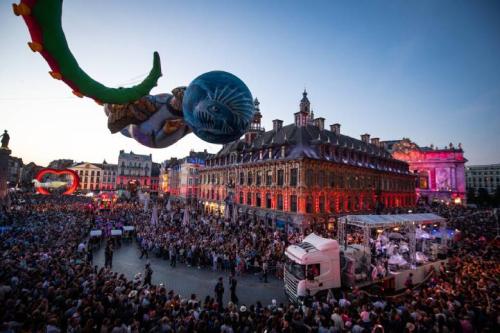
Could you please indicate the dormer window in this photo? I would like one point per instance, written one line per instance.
(282, 151)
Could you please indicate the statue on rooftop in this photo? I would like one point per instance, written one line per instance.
(5, 139)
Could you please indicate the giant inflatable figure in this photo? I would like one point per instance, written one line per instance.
(217, 106)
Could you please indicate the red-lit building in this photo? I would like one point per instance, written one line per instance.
(303, 173)
(134, 171)
(182, 175)
(155, 178)
(440, 171)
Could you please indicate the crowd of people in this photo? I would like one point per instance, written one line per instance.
(206, 241)
(49, 284)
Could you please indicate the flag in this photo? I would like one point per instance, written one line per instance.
(154, 215)
(235, 214)
(185, 218)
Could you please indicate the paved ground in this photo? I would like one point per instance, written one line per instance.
(187, 280)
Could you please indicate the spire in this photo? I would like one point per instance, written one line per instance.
(305, 105)
(256, 103)
(255, 126)
(257, 116)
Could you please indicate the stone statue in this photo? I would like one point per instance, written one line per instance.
(5, 139)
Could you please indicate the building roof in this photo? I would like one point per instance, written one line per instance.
(307, 142)
(385, 221)
(106, 166)
(406, 143)
(155, 169)
(131, 155)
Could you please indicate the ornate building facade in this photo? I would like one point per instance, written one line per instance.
(14, 171)
(303, 173)
(90, 176)
(134, 171)
(440, 171)
(108, 179)
(483, 176)
(183, 175)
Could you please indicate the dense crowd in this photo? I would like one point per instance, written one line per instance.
(203, 240)
(48, 284)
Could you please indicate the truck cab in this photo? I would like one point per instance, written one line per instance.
(312, 267)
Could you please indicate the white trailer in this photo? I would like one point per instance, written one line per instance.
(318, 265)
(313, 266)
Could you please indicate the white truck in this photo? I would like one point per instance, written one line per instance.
(317, 265)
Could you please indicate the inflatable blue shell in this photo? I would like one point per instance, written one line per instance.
(218, 107)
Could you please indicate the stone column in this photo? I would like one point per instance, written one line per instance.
(4, 173)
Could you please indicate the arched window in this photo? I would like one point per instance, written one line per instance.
(268, 200)
(332, 205)
(258, 200)
(309, 204)
(322, 204)
(241, 197)
(280, 202)
(258, 180)
(250, 178)
(293, 203)
(249, 198)
(423, 180)
(309, 177)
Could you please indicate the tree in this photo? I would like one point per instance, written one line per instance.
(496, 196)
(471, 195)
(483, 197)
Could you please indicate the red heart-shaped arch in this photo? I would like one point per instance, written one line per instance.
(47, 171)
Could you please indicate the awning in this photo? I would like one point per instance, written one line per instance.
(386, 221)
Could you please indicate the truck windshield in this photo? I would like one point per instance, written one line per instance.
(297, 270)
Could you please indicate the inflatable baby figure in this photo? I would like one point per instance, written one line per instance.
(216, 106)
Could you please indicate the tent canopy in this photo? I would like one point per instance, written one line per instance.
(387, 221)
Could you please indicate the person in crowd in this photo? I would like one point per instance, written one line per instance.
(232, 287)
(219, 292)
(148, 274)
(265, 268)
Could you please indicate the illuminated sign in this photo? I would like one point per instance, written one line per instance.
(47, 180)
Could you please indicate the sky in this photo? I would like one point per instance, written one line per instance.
(427, 70)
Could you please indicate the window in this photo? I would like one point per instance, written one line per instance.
(280, 202)
(321, 177)
(269, 178)
(249, 199)
(268, 200)
(282, 151)
(332, 205)
(241, 197)
(331, 180)
(293, 203)
(293, 177)
(242, 178)
(258, 180)
(250, 178)
(321, 204)
(258, 200)
(309, 177)
(312, 271)
(281, 177)
(309, 204)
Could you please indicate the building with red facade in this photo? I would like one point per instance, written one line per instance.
(303, 173)
(134, 172)
(180, 177)
(440, 171)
